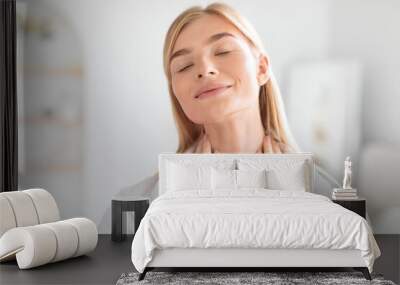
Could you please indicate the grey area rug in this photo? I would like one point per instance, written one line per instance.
(225, 278)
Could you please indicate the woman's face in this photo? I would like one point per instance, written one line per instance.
(214, 71)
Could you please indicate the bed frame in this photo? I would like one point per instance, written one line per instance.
(239, 260)
(250, 259)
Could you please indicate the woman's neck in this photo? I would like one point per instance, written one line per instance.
(241, 132)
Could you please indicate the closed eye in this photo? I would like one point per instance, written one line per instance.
(223, 52)
(186, 67)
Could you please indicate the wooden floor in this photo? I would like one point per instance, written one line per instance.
(110, 260)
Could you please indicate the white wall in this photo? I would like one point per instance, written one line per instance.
(369, 30)
(123, 76)
(127, 110)
(51, 101)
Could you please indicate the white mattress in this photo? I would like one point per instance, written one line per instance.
(251, 218)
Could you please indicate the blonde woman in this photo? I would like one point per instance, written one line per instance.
(224, 96)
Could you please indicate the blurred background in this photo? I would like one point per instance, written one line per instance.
(94, 110)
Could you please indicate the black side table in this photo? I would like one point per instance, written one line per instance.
(120, 204)
(358, 206)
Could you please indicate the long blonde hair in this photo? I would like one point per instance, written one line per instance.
(271, 106)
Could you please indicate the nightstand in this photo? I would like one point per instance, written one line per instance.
(120, 204)
(358, 206)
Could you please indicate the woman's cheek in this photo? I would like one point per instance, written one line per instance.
(193, 112)
(246, 72)
(183, 95)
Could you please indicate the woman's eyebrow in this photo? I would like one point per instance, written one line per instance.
(218, 36)
(211, 39)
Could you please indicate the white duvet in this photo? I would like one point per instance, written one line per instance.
(250, 218)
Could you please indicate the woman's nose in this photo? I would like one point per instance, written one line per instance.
(205, 69)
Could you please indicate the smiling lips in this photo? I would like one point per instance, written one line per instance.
(209, 91)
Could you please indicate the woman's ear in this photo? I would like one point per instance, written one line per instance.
(263, 73)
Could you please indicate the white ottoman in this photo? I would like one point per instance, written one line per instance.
(31, 232)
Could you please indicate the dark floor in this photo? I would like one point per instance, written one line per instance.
(110, 260)
(102, 266)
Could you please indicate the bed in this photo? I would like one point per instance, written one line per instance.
(245, 211)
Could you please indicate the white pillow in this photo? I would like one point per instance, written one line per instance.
(287, 179)
(237, 179)
(282, 174)
(223, 179)
(187, 177)
(252, 178)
